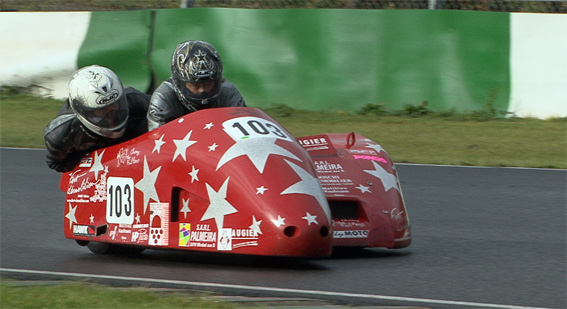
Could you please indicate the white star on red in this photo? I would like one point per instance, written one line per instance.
(261, 190)
(194, 174)
(279, 222)
(97, 165)
(219, 206)
(257, 149)
(213, 147)
(158, 143)
(148, 184)
(256, 225)
(71, 215)
(376, 147)
(310, 218)
(388, 180)
(308, 185)
(363, 189)
(182, 145)
(185, 208)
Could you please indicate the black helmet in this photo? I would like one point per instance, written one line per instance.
(96, 95)
(196, 62)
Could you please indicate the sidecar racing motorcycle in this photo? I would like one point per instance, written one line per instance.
(235, 180)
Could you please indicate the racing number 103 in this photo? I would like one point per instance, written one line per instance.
(120, 200)
(259, 128)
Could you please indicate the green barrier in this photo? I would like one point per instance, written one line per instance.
(321, 58)
(120, 40)
(345, 59)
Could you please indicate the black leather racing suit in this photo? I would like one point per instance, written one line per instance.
(67, 140)
(165, 106)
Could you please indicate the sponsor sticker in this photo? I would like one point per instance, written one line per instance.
(184, 234)
(159, 224)
(350, 234)
(86, 162)
(84, 230)
(225, 240)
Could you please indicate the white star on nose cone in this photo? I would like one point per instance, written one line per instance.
(256, 225)
(148, 184)
(182, 145)
(257, 149)
(219, 206)
(279, 221)
(388, 180)
(97, 165)
(71, 215)
(308, 185)
(310, 218)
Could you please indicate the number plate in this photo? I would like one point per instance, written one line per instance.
(253, 127)
(120, 200)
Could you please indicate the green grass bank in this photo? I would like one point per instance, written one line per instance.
(414, 135)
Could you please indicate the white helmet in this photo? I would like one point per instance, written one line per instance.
(97, 97)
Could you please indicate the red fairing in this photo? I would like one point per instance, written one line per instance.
(218, 180)
(362, 186)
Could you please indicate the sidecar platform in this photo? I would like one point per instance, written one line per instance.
(363, 190)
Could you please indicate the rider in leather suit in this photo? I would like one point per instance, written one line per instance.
(99, 112)
(196, 83)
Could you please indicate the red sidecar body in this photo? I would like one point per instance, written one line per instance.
(235, 180)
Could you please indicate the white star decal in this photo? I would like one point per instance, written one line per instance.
(388, 180)
(308, 185)
(257, 149)
(219, 206)
(310, 218)
(279, 222)
(182, 145)
(71, 215)
(261, 190)
(138, 218)
(148, 184)
(194, 174)
(213, 147)
(376, 147)
(91, 218)
(363, 189)
(97, 165)
(185, 208)
(208, 126)
(256, 225)
(158, 143)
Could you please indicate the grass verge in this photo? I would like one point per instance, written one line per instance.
(74, 294)
(428, 138)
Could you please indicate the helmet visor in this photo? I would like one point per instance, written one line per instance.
(111, 116)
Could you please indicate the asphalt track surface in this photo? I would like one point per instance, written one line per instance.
(482, 238)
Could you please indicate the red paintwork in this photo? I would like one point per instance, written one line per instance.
(366, 212)
(228, 180)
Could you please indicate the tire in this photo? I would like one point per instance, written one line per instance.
(99, 247)
(106, 248)
(127, 250)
